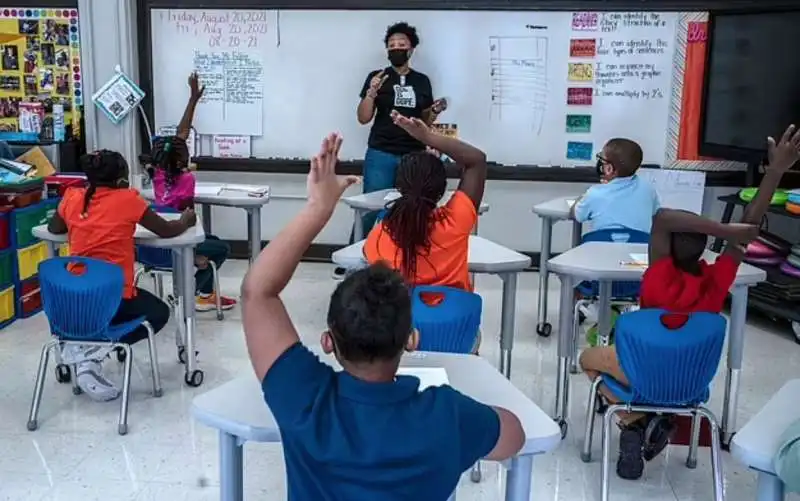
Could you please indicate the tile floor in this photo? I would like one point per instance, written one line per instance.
(76, 455)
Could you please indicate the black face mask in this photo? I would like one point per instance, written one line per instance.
(398, 57)
(599, 167)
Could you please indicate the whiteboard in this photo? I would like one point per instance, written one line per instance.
(508, 77)
(677, 189)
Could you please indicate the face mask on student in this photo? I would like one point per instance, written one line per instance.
(398, 57)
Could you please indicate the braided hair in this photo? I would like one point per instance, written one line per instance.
(421, 181)
(103, 168)
(170, 154)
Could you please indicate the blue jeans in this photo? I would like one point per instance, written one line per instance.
(380, 169)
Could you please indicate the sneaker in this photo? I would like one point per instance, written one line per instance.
(657, 434)
(73, 354)
(339, 273)
(630, 464)
(94, 384)
(208, 302)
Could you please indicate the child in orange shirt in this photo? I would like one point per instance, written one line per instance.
(100, 222)
(429, 244)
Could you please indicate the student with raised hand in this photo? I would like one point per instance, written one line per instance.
(100, 222)
(680, 281)
(363, 432)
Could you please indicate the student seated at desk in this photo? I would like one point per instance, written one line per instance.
(623, 199)
(679, 280)
(363, 433)
(426, 243)
(100, 222)
(173, 186)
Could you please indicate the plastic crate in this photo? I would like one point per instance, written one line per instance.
(5, 227)
(57, 184)
(8, 311)
(63, 250)
(6, 267)
(25, 220)
(22, 194)
(29, 297)
(28, 260)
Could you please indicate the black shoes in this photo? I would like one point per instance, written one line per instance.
(642, 441)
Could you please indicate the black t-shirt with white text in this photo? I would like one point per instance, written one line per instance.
(410, 95)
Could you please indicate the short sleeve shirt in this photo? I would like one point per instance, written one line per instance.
(447, 262)
(179, 194)
(107, 230)
(628, 202)
(344, 438)
(666, 287)
(410, 95)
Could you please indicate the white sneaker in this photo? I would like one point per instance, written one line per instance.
(590, 311)
(94, 384)
(77, 353)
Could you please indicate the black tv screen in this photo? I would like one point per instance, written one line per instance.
(752, 87)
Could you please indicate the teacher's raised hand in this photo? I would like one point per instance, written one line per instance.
(376, 83)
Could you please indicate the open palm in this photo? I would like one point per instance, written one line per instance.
(323, 185)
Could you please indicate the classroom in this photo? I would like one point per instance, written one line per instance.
(500, 250)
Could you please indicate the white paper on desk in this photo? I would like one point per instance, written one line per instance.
(640, 259)
(391, 196)
(428, 376)
(570, 203)
(231, 147)
(250, 189)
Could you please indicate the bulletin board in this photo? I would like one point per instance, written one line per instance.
(39, 62)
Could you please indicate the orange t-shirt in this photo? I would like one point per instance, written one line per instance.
(107, 231)
(446, 264)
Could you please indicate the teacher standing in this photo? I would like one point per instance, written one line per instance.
(396, 87)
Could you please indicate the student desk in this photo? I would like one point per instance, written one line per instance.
(550, 213)
(182, 248)
(207, 194)
(238, 411)
(485, 256)
(371, 202)
(756, 444)
(609, 262)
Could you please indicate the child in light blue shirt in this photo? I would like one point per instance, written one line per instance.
(623, 200)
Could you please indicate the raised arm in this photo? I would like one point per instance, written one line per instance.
(366, 107)
(196, 92)
(267, 327)
(473, 160)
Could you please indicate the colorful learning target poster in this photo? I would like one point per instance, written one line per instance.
(39, 63)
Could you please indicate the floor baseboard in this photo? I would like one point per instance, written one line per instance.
(321, 253)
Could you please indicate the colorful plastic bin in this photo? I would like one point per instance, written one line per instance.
(28, 260)
(29, 297)
(5, 227)
(25, 220)
(6, 268)
(8, 312)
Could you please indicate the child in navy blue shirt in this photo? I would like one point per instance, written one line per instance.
(363, 433)
(623, 199)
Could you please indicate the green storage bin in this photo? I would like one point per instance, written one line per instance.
(6, 268)
(30, 217)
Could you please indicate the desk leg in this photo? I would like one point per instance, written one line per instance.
(519, 479)
(205, 216)
(543, 328)
(769, 487)
(176, 303)
(231, 468)
(254, 232)
(194, 377)
(604, 312)
(358, 225)
(735, 353)
(507, 321)
(577, 233)
(565, 313)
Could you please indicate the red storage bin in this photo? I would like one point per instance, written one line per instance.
(5, 233)
(57, 184)
(29, 297)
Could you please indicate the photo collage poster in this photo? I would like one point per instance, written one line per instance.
(39, 63)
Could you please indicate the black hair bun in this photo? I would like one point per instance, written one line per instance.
(384, 284)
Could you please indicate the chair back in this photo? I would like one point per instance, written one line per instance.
(80, 296)
(669, 366)
(450, 319)
(152, 257)
(619, 290)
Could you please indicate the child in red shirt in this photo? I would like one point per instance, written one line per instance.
(679, 280)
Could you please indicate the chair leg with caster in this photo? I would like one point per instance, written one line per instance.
(122, 428)
(586, 453)
(38, 388)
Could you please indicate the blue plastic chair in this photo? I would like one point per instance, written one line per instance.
(669, 372)
(80, 297)
(157, 262)
(452, 325)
